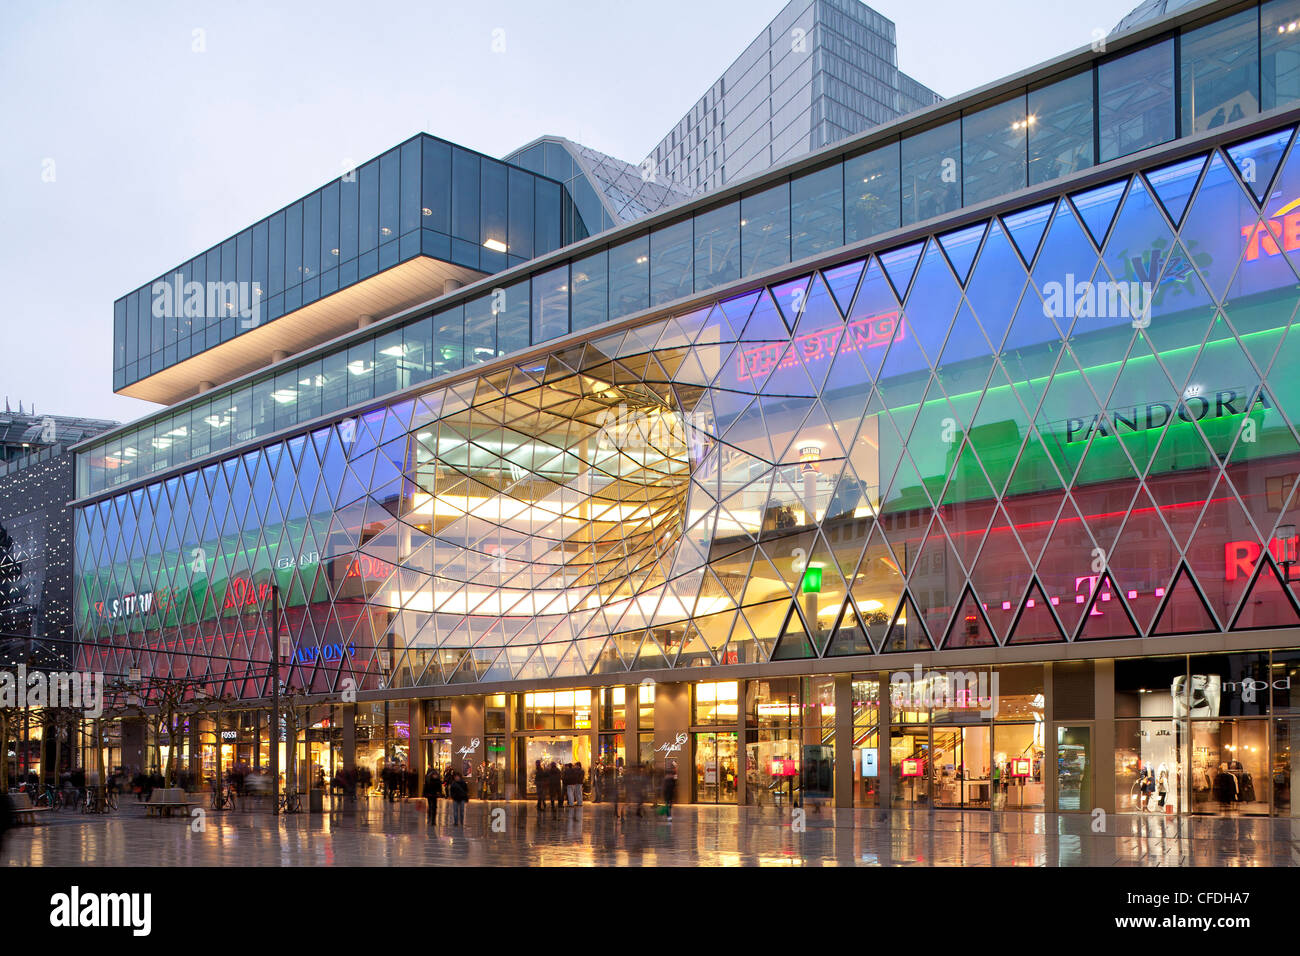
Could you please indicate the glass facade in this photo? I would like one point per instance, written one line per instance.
(1123, 103)
(1064, 423)
(1068, 422)
(426, 197)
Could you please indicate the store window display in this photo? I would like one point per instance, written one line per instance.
(566, 715)
(1150, 746)
(1018, 754)
(1148, 766)
(1227, 694)
(370, 730)
(1229, 767)
(773, 717)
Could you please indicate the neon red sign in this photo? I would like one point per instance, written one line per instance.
(1240, 557)
(242, 592)
(1281, 232)
(869, 333)
(364, 566)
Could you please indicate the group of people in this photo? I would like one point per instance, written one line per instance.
(563, 786)
(398, 781)
(453, 786)
(346, 781)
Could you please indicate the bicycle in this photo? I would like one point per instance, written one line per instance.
(289, 802)
(97, 802)
(223, 799)
(51, 798)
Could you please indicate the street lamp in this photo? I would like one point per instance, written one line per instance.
(1286, 533)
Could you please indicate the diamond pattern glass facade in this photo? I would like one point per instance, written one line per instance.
(1069, 422)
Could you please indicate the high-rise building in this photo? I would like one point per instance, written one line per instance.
(820, 72)
(955, 464)
(36, 484)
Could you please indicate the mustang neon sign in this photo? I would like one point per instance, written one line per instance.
(869, 333)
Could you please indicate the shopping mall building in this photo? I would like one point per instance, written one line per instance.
(950, 465)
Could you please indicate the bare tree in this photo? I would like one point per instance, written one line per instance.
(165, 703)
(293, 713)
(11, 718)
(58, 720)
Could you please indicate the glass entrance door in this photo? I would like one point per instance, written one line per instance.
(715, 767)
(960, 768)
(437, 753)
(909, 761)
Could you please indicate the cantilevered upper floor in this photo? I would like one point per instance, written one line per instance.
(424, 217)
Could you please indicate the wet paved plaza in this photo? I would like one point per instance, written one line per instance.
(386, 834)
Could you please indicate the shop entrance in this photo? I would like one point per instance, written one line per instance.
(960, 770)
(909, 753)
(558, 749)
(715, 767)
(437, 753)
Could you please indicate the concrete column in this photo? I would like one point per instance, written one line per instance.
(418, 721)
(629, 726)
(1103, 734)
(593, 732)
(742, 752)
(884, 759)
(673, 729)
(349, 721)
(515, 785)
(467, 735)
(1050, 782)
(843, 741)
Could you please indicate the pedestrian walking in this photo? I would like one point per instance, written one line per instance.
(556, 779)
(541, 784)
(432, 791)
(670, 788)
(459, 793)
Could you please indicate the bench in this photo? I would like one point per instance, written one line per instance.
(23, 811)
(161, 803)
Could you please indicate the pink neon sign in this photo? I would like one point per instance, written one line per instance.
(869, 333)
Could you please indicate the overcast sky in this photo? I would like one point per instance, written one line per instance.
(125, 151)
